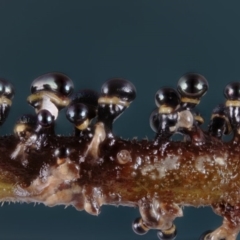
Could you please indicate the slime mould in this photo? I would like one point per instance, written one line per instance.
(94, 167)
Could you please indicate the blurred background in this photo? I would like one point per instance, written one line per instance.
(150, 42)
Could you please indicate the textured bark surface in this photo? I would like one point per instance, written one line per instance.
(124, 173)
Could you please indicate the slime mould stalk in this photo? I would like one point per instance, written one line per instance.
(94, 167)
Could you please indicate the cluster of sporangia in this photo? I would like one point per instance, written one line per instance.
(174, 113)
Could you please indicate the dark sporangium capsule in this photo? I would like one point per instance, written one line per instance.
(139, 227)
(51, 91)
(116, 95)
(164, 118)
(82, 109)
(167, 99)
(120, 88)
(163, 123)
(192, 87)
(80, 115)
(55, 82)
(232, 91)
(61, 152)
(45, 118)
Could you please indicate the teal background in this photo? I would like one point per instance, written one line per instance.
(150, 42)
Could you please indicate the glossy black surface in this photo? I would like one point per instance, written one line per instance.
(137, 228)
(55, 81)
(77, 113)
(218, 124)
(192, 85)
(61, 152)
(232, 91)
(160, 123)
(108, 113)
(6, 89)
(217, 127)
(45, 118)
(168, 97)
(120, 88)
(234, 117)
